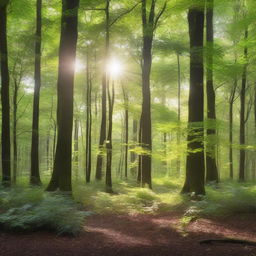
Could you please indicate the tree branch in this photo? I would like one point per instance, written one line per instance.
(123, 14)
(158, 16)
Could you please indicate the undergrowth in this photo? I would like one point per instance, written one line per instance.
(129, 198)
(228, 198)
(32, 209)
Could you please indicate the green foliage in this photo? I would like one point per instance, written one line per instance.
(227, 199)
(129, 199)
(32, 209)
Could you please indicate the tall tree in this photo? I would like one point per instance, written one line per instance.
(242, 112)
(88, 149)
(61, 177)
(195, 157)
(5, 81)
(103, 127)
(211, 166)
(109, 146)
(149, 24)
(231, 121)
(126, 127)
(35, 175)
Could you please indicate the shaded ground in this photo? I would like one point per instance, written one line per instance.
(136, 236)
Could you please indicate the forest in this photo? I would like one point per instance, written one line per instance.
(128, 127)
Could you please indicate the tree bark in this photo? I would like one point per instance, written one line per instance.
(76, 148)
(195, 159)
(5, 80)
(14, 134)
(231, 105)
(135, 138)
(211, 167)
(61, 177)
(88, 122)
(109, 146)
(99, 162)
(242, 115)
(179, 111)
(146, 140)
(35, 175)
(126, 121)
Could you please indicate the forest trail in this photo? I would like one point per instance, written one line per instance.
(138, 235)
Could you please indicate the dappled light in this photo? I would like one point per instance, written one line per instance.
(128, 127)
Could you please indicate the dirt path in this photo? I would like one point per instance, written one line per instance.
(137, 236)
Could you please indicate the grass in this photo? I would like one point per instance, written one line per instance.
(129, 198)
(23, 208)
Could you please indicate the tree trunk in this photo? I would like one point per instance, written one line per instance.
(179, 112)
(195, 159)
(242, 115)
(211, 167)
(61, 177)
(6, 140)
(88, 123)
(14, 134)
(135, 138)
(35, 175)
(76, 148)
(99, 162)
(231, 105)
(146, 139)
(126, 121)
(109, 146)
(139, 178)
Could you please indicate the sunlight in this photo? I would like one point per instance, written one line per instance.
(114, 68)
(79, 66)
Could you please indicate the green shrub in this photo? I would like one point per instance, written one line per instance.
(228, 199)
(53, 212)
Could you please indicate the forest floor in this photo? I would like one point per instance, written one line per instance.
(152, 235)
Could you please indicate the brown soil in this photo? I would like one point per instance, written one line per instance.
(110, 235)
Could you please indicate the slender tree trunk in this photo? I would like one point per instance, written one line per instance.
(179, 111)
(76, 148)
(126, 121)
(242, 115)
(99, 162)
(14, 135)
(88, 123)
(139, 178)
(165, 162)
(111, 100)
(48, 151)
(35, 175)
(211, 167)
(195, 159)
(121, 160)
(61, 177)
(135, 138)
(231, 105)
(6, 140)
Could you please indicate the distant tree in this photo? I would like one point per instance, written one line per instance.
(242, 112)
(109, 146)
(35, 175)
(61, 177)
(5, 80)
(195, 157)
(88, 150)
